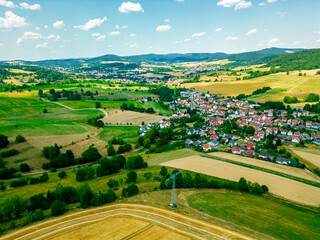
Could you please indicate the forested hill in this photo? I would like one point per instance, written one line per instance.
(246, 57)
(302, 60)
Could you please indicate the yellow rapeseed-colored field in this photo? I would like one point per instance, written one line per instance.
(280, 186)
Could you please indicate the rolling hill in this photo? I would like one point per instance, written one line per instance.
(161, 58)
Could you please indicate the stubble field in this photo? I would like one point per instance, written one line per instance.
(280, 186)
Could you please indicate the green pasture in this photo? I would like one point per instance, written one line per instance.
(279, 220)
(126, 133)
(47, 124)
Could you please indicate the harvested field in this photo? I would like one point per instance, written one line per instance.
(125, 221)
(269, 165)
(309, 157)
(136, 118)
(280, 186)
(79, 147)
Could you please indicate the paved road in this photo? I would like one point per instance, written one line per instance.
(72, 109)
(75, 166)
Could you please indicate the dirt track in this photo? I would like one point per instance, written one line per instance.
(174, 224)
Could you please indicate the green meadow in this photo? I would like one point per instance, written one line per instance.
(47, 124)
(276, 219)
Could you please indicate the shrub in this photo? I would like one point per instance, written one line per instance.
(62, 174)
(19, 183)
(131, 190)
(84, 173)
(91, 155)
(24, 167)
(20, 139)
(10, 153)
(131, 177)
(111, 150)
(3, 141)
(107, 167)
(37, 215)
(58, 208)
(136, 162)
(163, 171)
(112, 183)
(45, 110)
(86, 196)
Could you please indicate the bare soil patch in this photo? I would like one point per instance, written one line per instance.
(280, 186)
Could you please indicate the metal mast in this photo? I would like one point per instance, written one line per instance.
(173, 193)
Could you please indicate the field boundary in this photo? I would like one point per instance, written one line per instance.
(81, 109)
(196, 229)
(298, 179)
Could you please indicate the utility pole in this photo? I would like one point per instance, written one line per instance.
(173, 203)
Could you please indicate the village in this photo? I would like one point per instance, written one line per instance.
(240, 127)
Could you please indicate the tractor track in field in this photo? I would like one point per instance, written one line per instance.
(165, 218)
(80, 109)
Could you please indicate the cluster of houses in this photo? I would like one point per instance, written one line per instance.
(268, 122)
(163, 123)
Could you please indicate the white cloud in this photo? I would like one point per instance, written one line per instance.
(200, 34)
(55, 37)
(262, 4)
(11, 21)
(28, 35)
(1, 44)
(179, 0)
(8, 4)
(117, 26)
(218, 29)
(51, 36)
(272, 1)
(101, 37)
(92, 24)
(133, 45)
(273, 40)
(124, 27)
(163, 28)
(252, 31)
(95, 34)
(167, 20)
(231, 38)
(129, 7)
(318, 41)
(132, 35)
(45, 26)
(114, 33)
(237, 4)
(30, 7)
(58, 24)
(42, 45)
(187, 40)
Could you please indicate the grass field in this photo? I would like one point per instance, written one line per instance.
(280, 186)
(48, 124)
(126, 133)
(260, 214)
(24, 103)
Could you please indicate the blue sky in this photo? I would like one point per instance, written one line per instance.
(50, 29)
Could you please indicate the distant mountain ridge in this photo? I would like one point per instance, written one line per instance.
(163, 58)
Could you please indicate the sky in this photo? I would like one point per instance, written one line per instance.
(53, 29)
